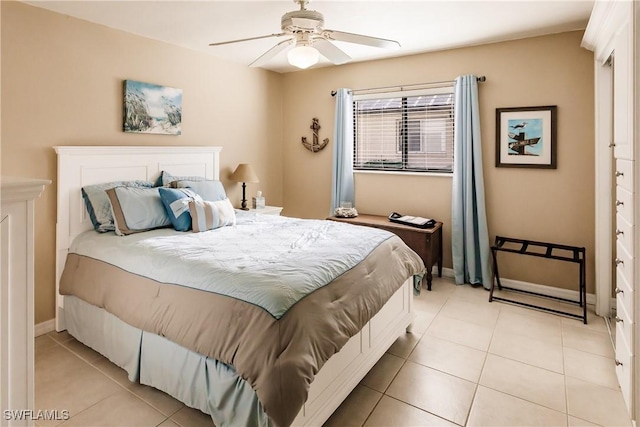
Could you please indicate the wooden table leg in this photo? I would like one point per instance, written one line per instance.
(440, 253)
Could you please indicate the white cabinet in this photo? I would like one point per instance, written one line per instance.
(612, 33)
(625, 201)
(622, 95)
(16, 295)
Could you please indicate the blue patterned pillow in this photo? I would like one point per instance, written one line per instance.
(137, 209)
(166, 178)
(171, 195)
(98, 205)
(211, 190)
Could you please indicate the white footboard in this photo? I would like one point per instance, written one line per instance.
(340, 375)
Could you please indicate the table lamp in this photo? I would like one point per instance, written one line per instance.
(244, 173)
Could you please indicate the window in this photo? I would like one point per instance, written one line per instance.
(408, 131)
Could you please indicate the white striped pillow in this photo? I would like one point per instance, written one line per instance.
(210, 215)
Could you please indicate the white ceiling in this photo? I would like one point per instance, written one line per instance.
(419, 26)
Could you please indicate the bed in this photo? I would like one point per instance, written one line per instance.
(297, 357)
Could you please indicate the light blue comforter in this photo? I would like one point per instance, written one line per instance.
(266, 260)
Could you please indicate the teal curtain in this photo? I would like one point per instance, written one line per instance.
(469, 234)
(342, 180)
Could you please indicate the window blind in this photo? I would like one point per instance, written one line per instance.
(404, 131)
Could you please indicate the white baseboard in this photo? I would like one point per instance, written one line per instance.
(447, 272)
(45, 327)
(535, 287)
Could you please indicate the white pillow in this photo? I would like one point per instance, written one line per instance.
(137, 209)
(211, 215)
(98, 204)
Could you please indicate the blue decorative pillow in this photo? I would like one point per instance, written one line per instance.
(166, 178)
(137, 209)
(178, 213)
(98, 205)
(211, 191)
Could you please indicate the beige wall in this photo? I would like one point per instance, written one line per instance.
(547, 205)
(62, 85)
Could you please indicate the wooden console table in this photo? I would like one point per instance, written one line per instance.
(426, 242)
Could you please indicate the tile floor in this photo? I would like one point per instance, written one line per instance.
(467, 362)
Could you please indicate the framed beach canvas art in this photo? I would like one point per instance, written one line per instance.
(526, 137)
(151, 108)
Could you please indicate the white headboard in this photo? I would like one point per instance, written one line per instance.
(83, 165)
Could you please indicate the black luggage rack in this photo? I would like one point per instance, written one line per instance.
(577, 256)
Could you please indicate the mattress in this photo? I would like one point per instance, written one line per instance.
(272, 297)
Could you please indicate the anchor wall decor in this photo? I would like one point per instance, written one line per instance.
(315, 146)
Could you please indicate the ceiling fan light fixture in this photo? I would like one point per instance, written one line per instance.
(305, 31)
(303, 56)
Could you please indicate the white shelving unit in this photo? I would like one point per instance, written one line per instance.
(17, 295)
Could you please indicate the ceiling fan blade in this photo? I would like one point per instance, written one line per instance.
(331, 51)
(248, 39)
(359, 39)
(271, 53)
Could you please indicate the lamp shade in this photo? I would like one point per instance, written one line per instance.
(303, 56)
(244, 173)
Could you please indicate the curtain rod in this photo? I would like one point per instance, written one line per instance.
(480, 79)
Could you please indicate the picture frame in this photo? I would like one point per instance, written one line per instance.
(526, 137)
(151, 108)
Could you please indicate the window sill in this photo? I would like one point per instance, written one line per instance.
(429, 174)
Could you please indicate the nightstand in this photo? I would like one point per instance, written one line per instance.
(268, 210)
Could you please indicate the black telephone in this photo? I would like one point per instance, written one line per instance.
(413, 221)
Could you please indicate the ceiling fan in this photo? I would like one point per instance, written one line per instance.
(309, 39)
